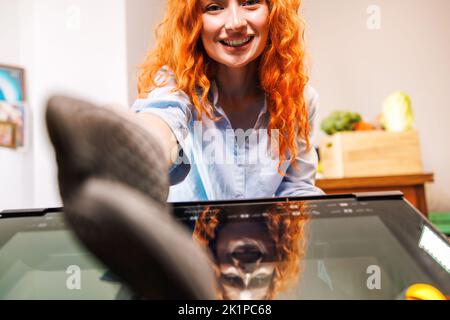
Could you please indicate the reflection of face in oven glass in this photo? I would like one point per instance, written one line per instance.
(246, 259)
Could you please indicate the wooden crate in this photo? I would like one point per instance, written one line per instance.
(370, 153)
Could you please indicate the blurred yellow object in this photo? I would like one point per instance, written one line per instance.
(397, 113)
(422, 291)
(319, 167)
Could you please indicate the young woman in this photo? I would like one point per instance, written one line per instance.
(225, 109)
(226, 93)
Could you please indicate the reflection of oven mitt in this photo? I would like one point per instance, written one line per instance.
(91, 141)
(140, 242)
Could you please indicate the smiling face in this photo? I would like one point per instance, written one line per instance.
(235, 32)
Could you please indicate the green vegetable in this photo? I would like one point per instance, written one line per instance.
(340, 121)
(397, 113)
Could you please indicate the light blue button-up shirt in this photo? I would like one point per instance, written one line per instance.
(219, 163)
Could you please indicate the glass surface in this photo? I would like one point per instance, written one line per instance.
(315, 249)
(321, 249)
(37, 256)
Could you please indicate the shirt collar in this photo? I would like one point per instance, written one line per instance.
(215, 90)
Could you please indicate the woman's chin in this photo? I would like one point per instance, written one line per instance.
(236, 63)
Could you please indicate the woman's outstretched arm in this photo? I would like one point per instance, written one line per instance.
(163, 134)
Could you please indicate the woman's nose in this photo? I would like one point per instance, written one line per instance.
(235, 19)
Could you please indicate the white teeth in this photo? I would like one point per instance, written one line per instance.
(237, 43)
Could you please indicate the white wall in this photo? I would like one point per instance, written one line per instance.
(142, 17)
(86, 59)
(84, 48)
(16, 168)
(356, 68)
(72, 46)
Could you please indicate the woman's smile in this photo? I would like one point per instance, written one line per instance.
(235, 32)
(237, 43)
(237, 46)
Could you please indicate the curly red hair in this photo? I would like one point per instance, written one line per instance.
(282, 70)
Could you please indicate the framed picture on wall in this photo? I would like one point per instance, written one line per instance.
(7, 134)
(12, 106)
(12, 84)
